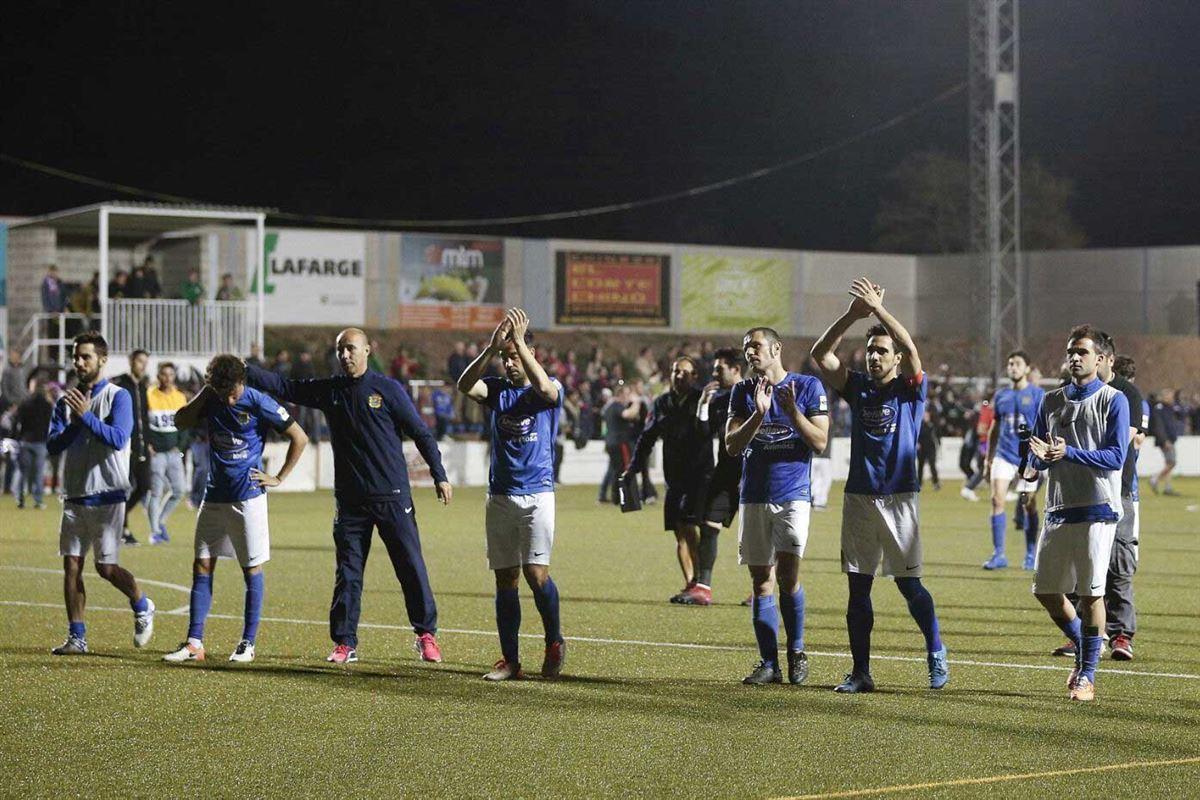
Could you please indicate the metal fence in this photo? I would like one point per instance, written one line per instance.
(183, 328)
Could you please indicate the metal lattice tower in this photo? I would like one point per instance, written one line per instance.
(996, 169)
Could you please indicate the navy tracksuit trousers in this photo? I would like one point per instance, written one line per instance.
(353, 527)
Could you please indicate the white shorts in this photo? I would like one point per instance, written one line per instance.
(1073, 557)
(95, 527)
(765, 529)
(881, 532)
(1003, 470)
(234, 530)
(520, 529)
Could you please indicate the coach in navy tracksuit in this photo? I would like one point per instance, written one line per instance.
(369, 415)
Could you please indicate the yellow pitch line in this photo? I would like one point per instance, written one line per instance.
(912, 787)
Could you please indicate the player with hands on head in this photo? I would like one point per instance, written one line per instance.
(232, 521)
(880, 529)
(777, 420)
(519, 516)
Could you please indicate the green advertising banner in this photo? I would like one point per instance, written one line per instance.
(724, 292)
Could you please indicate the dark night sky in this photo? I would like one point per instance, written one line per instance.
(487, 109)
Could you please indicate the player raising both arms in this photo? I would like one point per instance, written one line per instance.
(777, 420)
(233, 516)
(1014, 406)
(1080, 439)
(880, 527)
(519, 518)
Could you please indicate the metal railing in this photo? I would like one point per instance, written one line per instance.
(48, 337)
(181, 328)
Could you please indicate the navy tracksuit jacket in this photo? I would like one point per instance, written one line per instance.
(368, 419)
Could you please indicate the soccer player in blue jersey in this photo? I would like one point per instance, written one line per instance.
(233, 516)
(880, 528)
(1014, 406)
(777, 420)
(519, 519)
(1080, 439)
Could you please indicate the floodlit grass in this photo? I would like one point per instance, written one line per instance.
(631, 718)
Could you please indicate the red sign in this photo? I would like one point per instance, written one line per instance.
(448, 316)
(629, 289)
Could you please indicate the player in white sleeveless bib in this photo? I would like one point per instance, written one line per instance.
(1080, 439)
(90, 426)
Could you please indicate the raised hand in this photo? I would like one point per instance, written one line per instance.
(518, 322)
(500, 334)
(787, 397)
(763, 392)
(1048, 451)
(867, 295)
(76, 401)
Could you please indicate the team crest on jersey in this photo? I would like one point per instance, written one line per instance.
(877, 416)
(773, 432)
(514, 426)
(243, 418)
(375, 401)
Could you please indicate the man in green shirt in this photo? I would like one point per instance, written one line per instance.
(191, 289)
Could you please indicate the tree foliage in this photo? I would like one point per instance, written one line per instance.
(925, 208)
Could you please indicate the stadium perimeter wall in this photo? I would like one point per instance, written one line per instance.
(380, 280)
(466, 463)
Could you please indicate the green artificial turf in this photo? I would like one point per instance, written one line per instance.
(633, 716)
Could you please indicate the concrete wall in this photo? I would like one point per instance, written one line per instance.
(1127, 291)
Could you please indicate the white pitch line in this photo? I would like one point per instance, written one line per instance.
(164, 584)
(634, 642)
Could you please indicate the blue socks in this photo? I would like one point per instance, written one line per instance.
(508, 623)
(546, 599)
(1091, 656)
(766, 628)
(141, 605)
(860, 619)
(77, 629)
(792, 608)
(998, 531)
(920, 605)
(255, 588)
(1074, 631)
(201, 602)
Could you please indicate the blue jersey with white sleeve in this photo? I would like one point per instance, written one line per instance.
(235, 436)
(523, 429)
(775, 464)
(1014, 406)
(885, 424)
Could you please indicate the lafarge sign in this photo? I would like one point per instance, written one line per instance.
(314, 277)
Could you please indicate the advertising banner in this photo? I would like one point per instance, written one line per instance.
(626, 289)
(450, 282)
(313, 277)
(731, 293)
